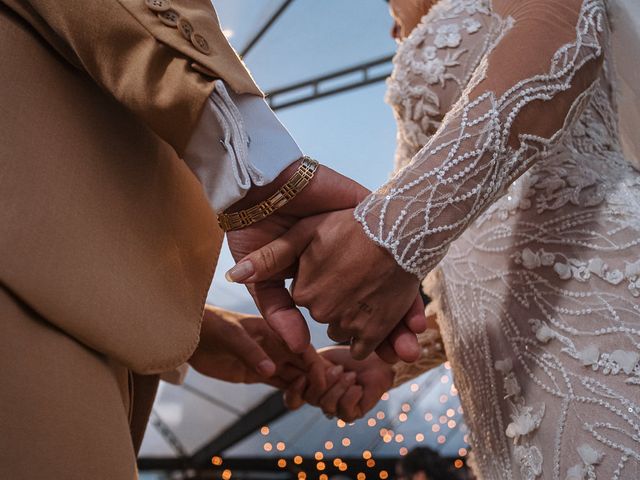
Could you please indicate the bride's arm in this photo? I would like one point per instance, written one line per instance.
(522, 96)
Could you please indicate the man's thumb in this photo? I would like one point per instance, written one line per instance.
(271, 259)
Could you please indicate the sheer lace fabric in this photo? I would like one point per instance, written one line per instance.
(510, 165)
(474, 155)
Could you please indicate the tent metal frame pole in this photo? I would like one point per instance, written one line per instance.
(267, 411)
(312, 89)
(265, 28)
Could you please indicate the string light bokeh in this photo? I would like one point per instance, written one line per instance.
(423, 412)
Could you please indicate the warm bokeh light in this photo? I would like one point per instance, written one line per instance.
(282, 463)
(419, 437)
(216, 460)
(414, 387)
(403, 417)
(321, 466)
(458, 463)
(462, 452)
(441, 439)
(403, 451)
(435, 428)
(280, 446)
(323, 476)
(318, 456)
(428, 416)
(366, 454)
(264, 430)
(328, 445)
(226, 474)
(346, 442)
(337, 462)
(451, 424)
(384, 474)
(380, 415)
(443, 399)
(447, 365)
(385, 396)
(341, 423)
(399, 438)
(343, 467)
(371, 463)
(444, 379)
(302, 475)
(361, 476)
(371, 422)
(297, 459)
(267, 447)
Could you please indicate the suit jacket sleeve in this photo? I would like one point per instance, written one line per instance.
(159, 64)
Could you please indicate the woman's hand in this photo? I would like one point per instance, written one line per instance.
(353, 387)
(347, 281)
(244, 349)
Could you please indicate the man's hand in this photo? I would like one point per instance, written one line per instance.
(343, 398)
(327, 191)
(244, 349)
(346, 281)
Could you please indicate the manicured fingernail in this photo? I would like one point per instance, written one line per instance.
(240, 272)
(266, 368)
(336, 371)
(350, 377)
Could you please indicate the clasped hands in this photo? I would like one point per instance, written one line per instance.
(344, 279)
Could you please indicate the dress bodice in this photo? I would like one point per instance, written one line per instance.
(536, 243)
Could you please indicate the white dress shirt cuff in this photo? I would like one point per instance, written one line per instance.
(238, 143)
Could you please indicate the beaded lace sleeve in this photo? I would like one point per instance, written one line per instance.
(523, 96)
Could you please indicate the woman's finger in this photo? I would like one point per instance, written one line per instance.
(293, 395)
(329, 400)
(348, 407)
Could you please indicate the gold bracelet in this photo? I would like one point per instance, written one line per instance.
(297, 183)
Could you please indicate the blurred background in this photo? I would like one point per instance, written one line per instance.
(323, 64)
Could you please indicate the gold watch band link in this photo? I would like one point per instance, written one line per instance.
(297, 183)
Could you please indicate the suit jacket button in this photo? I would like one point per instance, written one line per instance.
(200, 43)
(169, 18)
(158, 5)
(185, 27)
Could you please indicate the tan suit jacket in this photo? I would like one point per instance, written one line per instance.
(106, 236)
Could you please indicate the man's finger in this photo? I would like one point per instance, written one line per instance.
(386, 352)
(251, 354)
(278, 309)
(415, 319)
(405, 343)
(274, 257)
(337, 334)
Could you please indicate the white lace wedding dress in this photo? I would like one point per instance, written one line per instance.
(511, 180)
